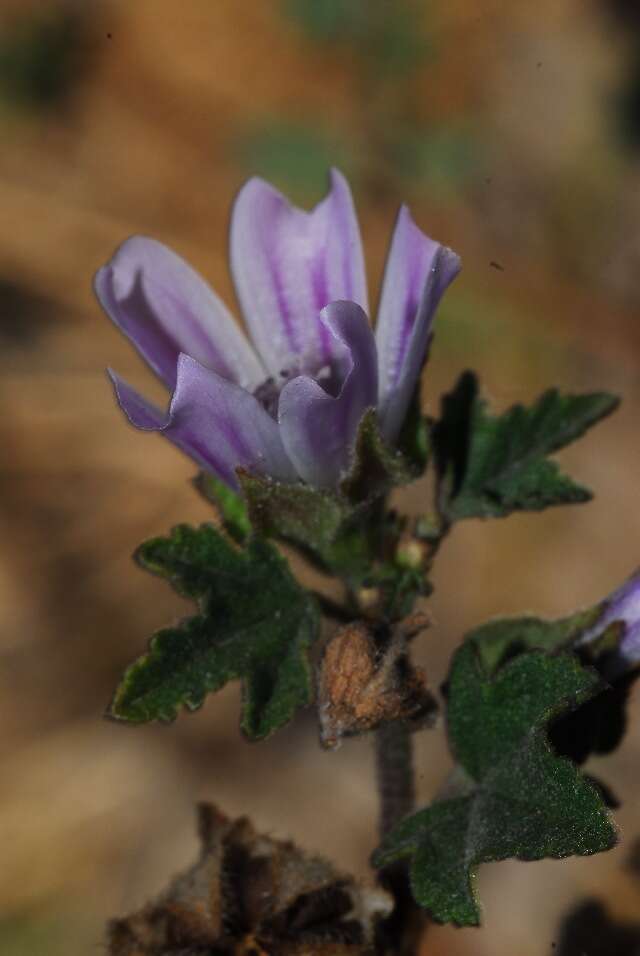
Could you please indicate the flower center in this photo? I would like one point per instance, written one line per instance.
(268, 393)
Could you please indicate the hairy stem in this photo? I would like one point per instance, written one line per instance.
(396, 789)
(395, 774)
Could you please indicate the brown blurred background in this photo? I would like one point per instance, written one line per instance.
(514, 134)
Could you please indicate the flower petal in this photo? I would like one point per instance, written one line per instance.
(215, 422)
(288, 265)
(318, 429)
(166, 308)
(630, 648)
(417, 273)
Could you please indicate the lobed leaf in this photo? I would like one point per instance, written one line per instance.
(490, 466)
(512, 796)
(598, 725)
(255, 624)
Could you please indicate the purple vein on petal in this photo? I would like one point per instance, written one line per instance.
(417, 268)
(288, 264)
(411, 257)
(232, 420)
(164, 307)
(283, 304)
(202, 343)
(146, 416)
(216, 422)
(234, 438)
(417, 272)
(318, 267)
(205, 456)
(154, 341)
(319, 429)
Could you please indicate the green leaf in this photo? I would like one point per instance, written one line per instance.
(490, 466)
(512, 797)
(229, 505)
(598, 725)
(255, 623)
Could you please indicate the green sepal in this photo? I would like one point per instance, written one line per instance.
(512, 795)
(377, 468)
(504, 638)
(255, 624)
(414, 440)
(339, 531)
(322, 526)
(489, 466)
(229, 505)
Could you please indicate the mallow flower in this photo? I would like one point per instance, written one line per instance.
(285, 403)
(621, 608)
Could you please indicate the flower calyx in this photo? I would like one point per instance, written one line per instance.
(366, 679)
(250, 894)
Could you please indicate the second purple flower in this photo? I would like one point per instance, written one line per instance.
(288, 404)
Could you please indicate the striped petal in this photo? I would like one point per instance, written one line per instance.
(318, 429)
(288, 265)
(166, 308)
(215, 422)
(417, 273)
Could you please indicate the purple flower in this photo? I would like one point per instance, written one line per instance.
(288, 404)
(622, 608)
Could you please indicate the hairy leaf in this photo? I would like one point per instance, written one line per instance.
(512, 796)
(596, 726)
(490, 466)
(255, 623)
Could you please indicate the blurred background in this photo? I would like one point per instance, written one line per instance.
(514, 134)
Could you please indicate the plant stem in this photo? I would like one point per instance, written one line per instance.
(396, 790)
(395, 774)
